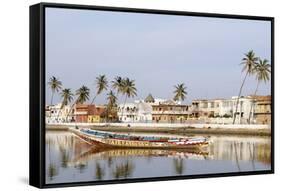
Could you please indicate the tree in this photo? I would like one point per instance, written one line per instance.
(112, 99)
(262, 73)
(67, 97)
(117, 84)
(55, 86)
(112, 102)
(180, 92)
(248, 63)
(82, 96)
(129, 90)
(102, 84)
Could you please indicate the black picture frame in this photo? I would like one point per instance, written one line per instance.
(37, 94)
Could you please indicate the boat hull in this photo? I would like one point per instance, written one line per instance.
(120, 143)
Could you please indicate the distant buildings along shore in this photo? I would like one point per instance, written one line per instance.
(251, 109)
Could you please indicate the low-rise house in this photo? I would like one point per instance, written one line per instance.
(57, 114)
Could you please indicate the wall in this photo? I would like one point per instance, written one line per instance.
(14, 88)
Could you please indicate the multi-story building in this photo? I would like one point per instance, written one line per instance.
(138, 111)
(262, 109)
(84, 113)
(223, 108)
(170, 112)
(96, 114)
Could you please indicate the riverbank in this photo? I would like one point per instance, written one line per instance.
(254, 129)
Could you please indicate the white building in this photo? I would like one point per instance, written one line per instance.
(138, 111)
(222, 110)
(56, 114)
(243, 109)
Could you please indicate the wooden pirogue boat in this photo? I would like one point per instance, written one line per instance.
(109, 139)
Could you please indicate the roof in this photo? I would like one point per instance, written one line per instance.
(149, 99)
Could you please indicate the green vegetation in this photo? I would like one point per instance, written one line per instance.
(55, 86)
(102, 84)
(248, 63)
(262, 73)
(180, 92)
(253, 65)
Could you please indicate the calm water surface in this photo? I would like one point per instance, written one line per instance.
(69, 159)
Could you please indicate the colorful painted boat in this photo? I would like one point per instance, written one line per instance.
(109, 139)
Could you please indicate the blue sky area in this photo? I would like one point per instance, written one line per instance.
(157, 51)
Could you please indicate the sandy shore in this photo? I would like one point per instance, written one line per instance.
(203, 129)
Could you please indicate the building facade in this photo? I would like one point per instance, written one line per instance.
(223, 110)
(57, 114)
(84, 113)
(138, 111)
(170, 112)
(262, 109)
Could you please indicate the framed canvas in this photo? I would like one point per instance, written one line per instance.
(122, 95)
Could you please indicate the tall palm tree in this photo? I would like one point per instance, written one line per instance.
(67, 97)
(249, 62)
(55, 85)
(102, 84)
(180, 92)
(262, 72)
(129, 90)
(117, 84)
(82, 96)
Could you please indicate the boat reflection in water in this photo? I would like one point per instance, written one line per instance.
(69, 159)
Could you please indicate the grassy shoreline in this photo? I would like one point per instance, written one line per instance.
(182, 130)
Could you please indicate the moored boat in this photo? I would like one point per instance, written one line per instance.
(110, 139)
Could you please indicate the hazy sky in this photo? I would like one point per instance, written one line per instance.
(157, 51)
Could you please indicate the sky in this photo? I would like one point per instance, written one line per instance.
(157, 51)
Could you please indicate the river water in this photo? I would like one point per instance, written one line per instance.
(69, 159)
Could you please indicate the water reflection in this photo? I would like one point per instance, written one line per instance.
(69, 159)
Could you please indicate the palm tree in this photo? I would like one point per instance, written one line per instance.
(67, 97)
(262, 72)
(249, 62)
(102, 84)
(129, 90)
(112, 99)
(117, 84)
(180, 92)
(82, 96)
(55, 86)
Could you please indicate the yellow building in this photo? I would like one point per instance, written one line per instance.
(94, 119)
